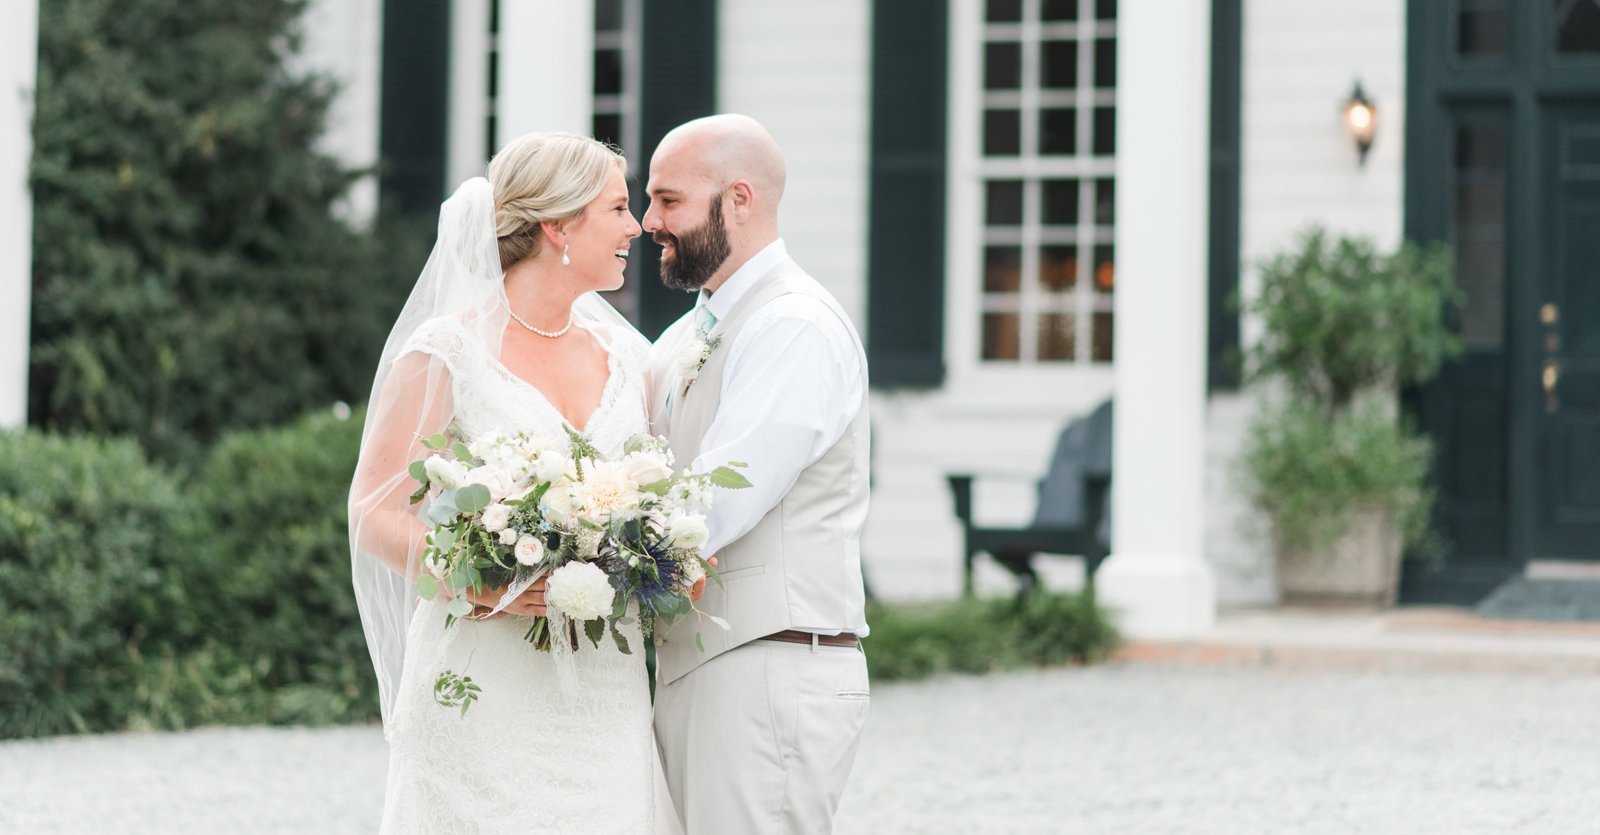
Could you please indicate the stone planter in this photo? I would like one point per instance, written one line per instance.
(1360, 568)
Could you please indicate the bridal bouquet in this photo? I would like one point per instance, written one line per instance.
(508, 510)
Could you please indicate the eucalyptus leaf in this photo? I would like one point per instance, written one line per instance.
(418, 471)
(719, 621)
(459, 606)
(473, 498)
(436, 441)
(729, 478)
(427, 586)
(700, 641)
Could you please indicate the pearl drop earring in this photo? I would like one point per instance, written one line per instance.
(565, 258)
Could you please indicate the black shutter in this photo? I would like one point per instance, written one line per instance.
(414, 105)
(1222, 349)
(905, 262)
(678, 82)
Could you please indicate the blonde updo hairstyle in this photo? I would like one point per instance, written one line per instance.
(544, 177)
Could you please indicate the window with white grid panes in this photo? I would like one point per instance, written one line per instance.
(1047, 163)
(616, 108)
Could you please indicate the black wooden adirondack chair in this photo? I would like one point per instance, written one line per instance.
(1074, 513)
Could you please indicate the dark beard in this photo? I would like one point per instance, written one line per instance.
(698, 254)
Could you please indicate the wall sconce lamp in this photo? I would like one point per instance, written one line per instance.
(1361, 119)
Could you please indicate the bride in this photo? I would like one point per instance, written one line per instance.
(504, 332)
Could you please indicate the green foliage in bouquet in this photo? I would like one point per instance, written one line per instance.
(191, 273)
(86, 526)
(912, 641)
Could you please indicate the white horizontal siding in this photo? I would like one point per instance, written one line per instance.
(344, 42)
(801, 69)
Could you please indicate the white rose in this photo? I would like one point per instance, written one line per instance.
(508, 536)
(580, 590)
(445, 473)
(688, 531)
(550, 466)
(560, 502)
(529, 550)
(496, 517)
(500, 484)
(647, 467)
(689, 358)
(484, 445)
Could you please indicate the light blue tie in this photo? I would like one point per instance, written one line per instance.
(704, 321)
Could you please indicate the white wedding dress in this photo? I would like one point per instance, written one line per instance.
(529, 756)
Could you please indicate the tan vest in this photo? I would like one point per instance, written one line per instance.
(800, 566)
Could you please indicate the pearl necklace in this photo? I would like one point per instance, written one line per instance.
(545, 334)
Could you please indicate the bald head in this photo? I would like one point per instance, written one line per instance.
(726, 148)
(714, 189)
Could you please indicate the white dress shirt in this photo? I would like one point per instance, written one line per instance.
(790, 388)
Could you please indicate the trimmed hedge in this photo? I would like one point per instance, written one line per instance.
(129, 600)
(88, 532)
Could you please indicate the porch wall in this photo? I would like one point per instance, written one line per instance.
(803, 71)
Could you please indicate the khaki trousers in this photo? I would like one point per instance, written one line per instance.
(760, 739)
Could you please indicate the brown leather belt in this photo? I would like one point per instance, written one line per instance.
(795, 636)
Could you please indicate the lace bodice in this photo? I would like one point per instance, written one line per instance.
(531, 755)
(488, 396)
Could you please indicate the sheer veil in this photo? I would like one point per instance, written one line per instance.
(461, 295)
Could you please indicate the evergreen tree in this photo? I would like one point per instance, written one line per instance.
(190, 273)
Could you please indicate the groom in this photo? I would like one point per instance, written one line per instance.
(759, 729)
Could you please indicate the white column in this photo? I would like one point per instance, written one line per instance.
(546, 67)
(1157, 579)
(467, 144)
(19, 49)
(344, 40)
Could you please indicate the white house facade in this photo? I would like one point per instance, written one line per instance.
(1030, 206)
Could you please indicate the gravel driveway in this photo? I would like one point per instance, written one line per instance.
(1111, 749)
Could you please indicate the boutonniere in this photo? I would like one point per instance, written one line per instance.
(693, 358)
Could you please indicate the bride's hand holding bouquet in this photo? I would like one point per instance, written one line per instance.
(513, 512)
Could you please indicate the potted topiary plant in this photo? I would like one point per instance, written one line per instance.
(1340, 475)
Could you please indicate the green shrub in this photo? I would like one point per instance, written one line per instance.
(88, 535)
(1309, 472)
(133, 601)
(191, 273)
(1345, 327)
(277, 556)
(976, 637)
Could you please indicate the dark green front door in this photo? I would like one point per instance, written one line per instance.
(1503, 162)
(1567, 513)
